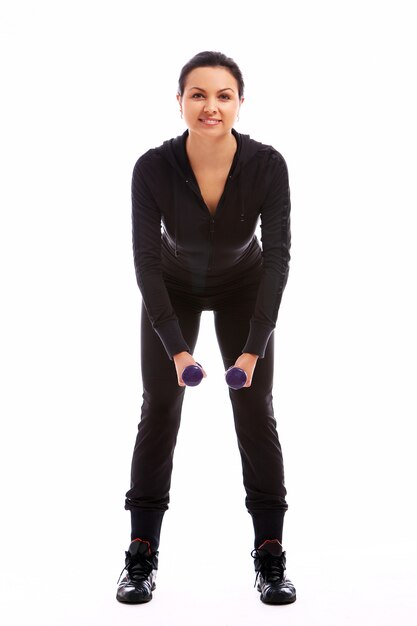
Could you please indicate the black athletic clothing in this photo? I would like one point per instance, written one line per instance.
(255, 424)
(201, 252)
(201, 262)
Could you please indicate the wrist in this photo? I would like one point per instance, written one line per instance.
(254, 356)
(180, 354)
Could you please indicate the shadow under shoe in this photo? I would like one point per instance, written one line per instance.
(138, 582)
(270, 564)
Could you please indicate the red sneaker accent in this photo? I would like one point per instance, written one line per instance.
(143, 541)
(275, 541)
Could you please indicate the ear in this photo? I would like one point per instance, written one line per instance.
(179, 98)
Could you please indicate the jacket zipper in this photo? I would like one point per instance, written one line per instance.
(211, 242)
(212, 217)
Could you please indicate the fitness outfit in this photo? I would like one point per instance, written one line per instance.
(188, 261)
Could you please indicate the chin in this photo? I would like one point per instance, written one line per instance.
(205, 131)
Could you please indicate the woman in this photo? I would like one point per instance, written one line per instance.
(208, 188)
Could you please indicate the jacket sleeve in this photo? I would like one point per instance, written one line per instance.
(276, 243)
(146, 236)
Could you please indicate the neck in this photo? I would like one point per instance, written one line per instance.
(209, 146)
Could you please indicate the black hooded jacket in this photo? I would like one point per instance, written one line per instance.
(201, 253)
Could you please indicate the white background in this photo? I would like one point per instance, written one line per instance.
(86, 88)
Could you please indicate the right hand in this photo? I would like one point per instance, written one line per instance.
(181, 361)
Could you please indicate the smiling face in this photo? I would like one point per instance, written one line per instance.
(210, 102)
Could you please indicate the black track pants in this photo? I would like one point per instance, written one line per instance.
(257, 437)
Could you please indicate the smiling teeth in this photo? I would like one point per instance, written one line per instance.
(211, 121)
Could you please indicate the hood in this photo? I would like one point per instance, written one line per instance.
(173, 150)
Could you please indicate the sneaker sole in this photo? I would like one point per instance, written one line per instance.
(125, 601)
(279, 602)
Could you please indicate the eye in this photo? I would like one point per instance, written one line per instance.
(224, 96)
(197, 96)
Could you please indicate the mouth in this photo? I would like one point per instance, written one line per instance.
(209, 121)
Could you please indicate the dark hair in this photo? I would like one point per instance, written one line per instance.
(211, 59)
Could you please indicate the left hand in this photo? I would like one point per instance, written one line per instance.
(247, 362)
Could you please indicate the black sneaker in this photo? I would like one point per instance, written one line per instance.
(269, 564)
(141, 564)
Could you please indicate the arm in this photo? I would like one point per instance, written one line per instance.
(146, 236)
(276, 243)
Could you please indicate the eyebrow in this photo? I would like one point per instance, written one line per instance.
(225, 89)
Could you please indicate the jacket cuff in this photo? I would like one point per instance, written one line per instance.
(257, 339)
(171, 336)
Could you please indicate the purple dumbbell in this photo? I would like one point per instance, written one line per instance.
(236, 377)
(192, 375)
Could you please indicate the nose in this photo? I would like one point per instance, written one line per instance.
(210, 107)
